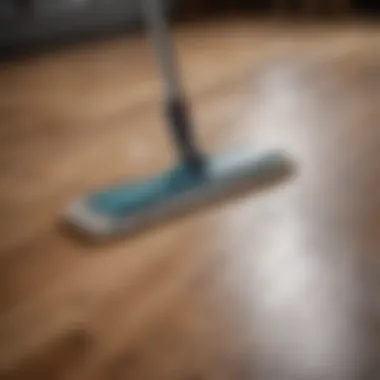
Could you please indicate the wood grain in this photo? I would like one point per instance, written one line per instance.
(280, 284)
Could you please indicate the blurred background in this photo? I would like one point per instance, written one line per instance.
(278, 285)
(33, 21)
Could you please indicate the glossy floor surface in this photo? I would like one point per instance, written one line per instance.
(277, 285)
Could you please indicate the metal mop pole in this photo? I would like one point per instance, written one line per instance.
(176, 107)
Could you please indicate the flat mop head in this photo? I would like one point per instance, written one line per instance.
(127, 208)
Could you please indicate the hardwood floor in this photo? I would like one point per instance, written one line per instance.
(278, 285)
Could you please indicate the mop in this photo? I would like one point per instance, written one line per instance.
(196, 180)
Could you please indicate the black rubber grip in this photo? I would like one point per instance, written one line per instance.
(182, 130)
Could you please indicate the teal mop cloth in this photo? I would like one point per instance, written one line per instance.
(131, 198)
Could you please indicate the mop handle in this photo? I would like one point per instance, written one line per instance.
(157, 25)
(176, 106)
